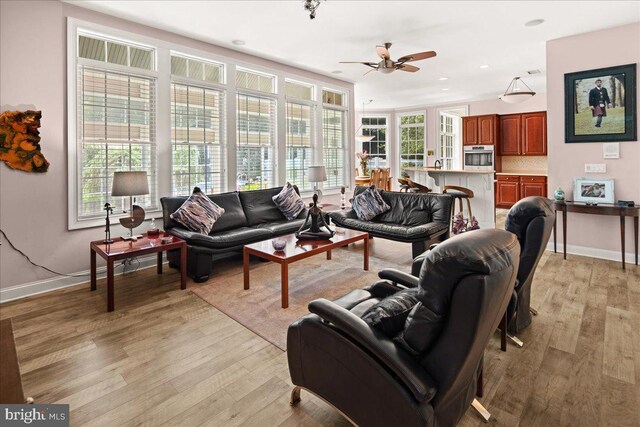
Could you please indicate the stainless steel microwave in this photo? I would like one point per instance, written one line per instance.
(479, 157)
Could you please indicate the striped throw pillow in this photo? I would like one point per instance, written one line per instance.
(289, 202)
(198, 213)
(369, 204)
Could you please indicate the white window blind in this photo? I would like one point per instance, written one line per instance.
(256, 136)
(377, 147)
(116, 119)
(299, 149)
(412, 140)
(333, 133)
(197, 139)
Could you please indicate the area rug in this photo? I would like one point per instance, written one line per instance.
(259, 308)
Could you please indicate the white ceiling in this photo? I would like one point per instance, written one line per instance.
(464, 34)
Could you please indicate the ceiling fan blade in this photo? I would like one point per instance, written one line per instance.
(382, 52)
(372, 69)
(409, 68)
(417, 56)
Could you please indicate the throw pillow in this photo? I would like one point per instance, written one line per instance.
(198, 213)
(369, 204)
(289, 202)
(390, 314)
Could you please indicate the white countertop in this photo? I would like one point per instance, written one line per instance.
(436, 171)
(522, 173)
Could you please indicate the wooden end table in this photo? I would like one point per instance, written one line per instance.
(121, 249)
(300, 249)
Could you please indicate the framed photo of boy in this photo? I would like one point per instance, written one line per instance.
(600, 105)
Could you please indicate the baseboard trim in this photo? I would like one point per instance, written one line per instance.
(47, 285)
(594, 253)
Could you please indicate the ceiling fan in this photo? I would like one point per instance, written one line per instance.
(386, 65)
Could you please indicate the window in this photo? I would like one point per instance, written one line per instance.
(299, 142)
(197, 139)
(377, 147)
(333, 133)
(253, 80)
(449, 137)
(256, 122)
(116, 122)
(197, 69)
(412, 141)
(333, 98)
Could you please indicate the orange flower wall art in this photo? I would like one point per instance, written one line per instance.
(20, 141)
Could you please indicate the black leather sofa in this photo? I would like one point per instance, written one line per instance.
(417, 218)
(250, 216)
(467, 282)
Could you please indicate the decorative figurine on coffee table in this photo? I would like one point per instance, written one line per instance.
(314, 227)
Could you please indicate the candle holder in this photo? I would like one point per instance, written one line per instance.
(107, 232)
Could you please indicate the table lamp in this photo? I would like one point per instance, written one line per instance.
(131, 184)
(317, 174)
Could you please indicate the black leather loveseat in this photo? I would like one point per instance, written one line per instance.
(417, 218)
(250, 216)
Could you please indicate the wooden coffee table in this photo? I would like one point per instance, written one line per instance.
(300, 249)
(121, 249)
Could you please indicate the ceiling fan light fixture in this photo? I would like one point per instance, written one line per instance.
(311, 6)
(516, 94)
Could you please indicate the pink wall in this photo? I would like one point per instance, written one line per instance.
(33, 208)
(587, 234)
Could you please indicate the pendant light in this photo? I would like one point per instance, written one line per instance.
(360, 137)
(515, 94)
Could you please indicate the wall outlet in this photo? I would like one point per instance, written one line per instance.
(595, 168)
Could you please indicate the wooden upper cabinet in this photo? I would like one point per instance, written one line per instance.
(510, 135)
(488, 129)
(534, 134)
(470, 130)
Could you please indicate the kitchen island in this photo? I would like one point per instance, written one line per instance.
(480, 182)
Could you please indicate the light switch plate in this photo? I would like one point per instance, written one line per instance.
(595, 168)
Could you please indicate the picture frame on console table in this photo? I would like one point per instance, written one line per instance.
(593, 190)
(600, 105)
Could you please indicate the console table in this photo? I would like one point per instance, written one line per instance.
(613, 210)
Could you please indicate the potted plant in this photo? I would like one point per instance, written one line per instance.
(363, 158)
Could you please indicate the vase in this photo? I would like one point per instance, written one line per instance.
(364, 167)
(559, 195)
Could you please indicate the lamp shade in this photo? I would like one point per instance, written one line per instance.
(130, 184)
(317, 174)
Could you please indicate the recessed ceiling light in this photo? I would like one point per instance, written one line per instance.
(445, 88)
(484, 66)
(336, 72)
(534, 22)
(238, 42)
(443, 78)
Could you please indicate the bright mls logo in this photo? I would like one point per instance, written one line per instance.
(34, 415)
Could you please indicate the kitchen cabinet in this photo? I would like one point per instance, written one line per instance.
(511, 188)
(480, 130)
(523, 134)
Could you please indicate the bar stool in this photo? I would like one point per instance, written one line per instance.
(404, 184)
(414, 187)
(459, 193)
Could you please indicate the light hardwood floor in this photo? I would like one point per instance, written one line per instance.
(167, 357)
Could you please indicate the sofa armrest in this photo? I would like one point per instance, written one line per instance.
(183, 233)
(343, 214)
(410, 372)
(400, 277)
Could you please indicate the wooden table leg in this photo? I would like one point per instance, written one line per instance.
(635, 235)
(245, 267)
(183, 266)
(159, 267)
(503, 332)
(110, 293)
(366, 254)
(555, 229)
(93, 270)
(284, 272)
(329, 254)
(564, 233)
(622, 231)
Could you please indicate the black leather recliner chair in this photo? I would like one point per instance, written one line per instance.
(466, 282)
(531, 220)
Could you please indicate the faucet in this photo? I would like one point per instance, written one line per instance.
(437, 164)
